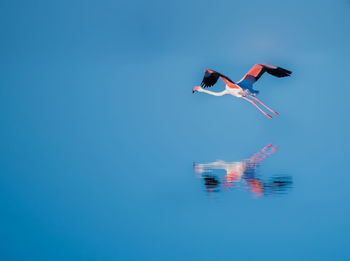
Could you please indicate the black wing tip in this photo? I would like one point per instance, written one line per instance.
(279, 72)
(210, 79)
(285, 71)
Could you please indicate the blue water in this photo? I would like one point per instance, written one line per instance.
(101, 134)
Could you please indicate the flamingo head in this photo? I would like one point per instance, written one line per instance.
(196, 89)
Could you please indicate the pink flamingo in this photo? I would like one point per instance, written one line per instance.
(243, 88)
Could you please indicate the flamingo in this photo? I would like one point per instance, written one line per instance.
(243, 88)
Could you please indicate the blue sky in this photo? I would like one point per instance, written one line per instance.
(100, 129)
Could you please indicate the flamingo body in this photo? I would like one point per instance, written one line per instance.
(243, 88)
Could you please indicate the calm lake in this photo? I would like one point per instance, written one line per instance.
(107, 155)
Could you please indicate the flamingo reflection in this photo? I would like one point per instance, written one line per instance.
(243, 172)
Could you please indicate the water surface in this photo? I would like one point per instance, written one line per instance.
(100, 130)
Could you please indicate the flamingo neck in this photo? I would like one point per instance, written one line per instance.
(214, 93)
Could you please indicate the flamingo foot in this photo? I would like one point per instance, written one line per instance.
(276, 113)
(269, 116)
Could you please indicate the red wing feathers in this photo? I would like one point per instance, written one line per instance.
(259, 69)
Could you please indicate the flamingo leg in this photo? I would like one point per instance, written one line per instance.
(264, 105)
(269, 116)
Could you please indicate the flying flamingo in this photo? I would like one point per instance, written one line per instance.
(243, 88)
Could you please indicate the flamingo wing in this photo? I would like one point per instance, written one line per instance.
(259, 69)
(211, 77)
